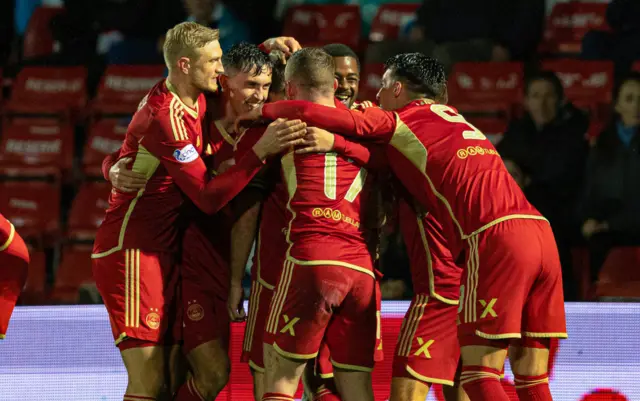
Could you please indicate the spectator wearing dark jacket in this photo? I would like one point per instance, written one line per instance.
(546, 152)
(611, 204)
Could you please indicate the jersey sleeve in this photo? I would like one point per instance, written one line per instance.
(372, 121)
(183, 163)
(108, 162)
(368, 156)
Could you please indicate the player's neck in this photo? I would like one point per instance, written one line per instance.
(319, 99)
(187, 93)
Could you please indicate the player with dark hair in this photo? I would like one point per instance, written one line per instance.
(276, 91)
(14, 263)
(511, 293)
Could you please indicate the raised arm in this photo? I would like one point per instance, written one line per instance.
(372, 122)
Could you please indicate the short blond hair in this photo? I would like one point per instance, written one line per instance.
(184, 39)
(311, 67)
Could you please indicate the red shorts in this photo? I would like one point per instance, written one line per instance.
(327, 302)
(259, 301)
(14, 263)
(205, 285)
(427, 348)
(141, 293)
(512, 284)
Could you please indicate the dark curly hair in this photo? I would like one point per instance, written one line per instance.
(422, 74)
(244, 57)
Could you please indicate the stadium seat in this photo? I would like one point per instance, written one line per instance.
(620, 274)
(390, 20)
(105, 137)
(587, 84)
(73, 271)
(37, 142)
(33, 207)
(122, 87)
(49, 91)
(35, 289)
(370, 81)
(568, 23)
(317, 25)
(636, 66)
(38, 39)
(87, 210)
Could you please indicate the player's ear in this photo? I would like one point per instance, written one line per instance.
(335, 84)
(443, 98)
(224, 82)
(289, 90)
(184, 64)
(397, 88)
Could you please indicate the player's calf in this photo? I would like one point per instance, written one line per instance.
(529, 361)
(258, 384)
(210, 369)
(282, 374)
(354, 385)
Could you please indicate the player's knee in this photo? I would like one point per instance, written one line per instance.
(145, 366)
(529, 356)
(405, 389)
(212, 378)
(491, 354)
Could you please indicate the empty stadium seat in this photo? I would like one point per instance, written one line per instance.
(486, 86)
(37, 142)
(317, 25)
(636, 66)
(620, 274)
(122, 87)
(33, 207)
(38, 39)
(73, 271)
(35, 289)
(87, 210)
(390, 20)
(568, 23)
(587, 84)
(49, 91)
(105, 137)
(370, 81)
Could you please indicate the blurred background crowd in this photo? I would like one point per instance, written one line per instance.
(552, 83)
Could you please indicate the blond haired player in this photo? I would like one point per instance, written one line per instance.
(135, 254)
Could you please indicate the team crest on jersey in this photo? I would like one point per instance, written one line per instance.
(153, 320)
(186, 154)
(195, 312)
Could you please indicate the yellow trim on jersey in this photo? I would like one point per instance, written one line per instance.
(254, 306)
(545, 335)
(2, 336)
(331, 263)
(227, 137)
(12, 233)
(432, 282)
(326, 375)
(503, 336)
(426, 379)
(277, 302)
(259, 264)
(176, 116)
(121, 338)
(255, 366)
(410, 324)
(145, 164)
(470, 296)
(355, 368)
(172, 89)
(407, 143)
(292, 355)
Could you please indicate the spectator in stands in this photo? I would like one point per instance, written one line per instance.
(622, 44)
(215, 14)
(546, 152)
(611, 204)
(471, 30)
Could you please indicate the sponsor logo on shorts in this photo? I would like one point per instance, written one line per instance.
(195, 312)
(186, 154)
(289, 325)
(475, 151)
(153, 320)
(335, 215)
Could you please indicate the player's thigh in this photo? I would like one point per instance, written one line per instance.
(428, 350)
(147, 365)
(408, 389)
(529, 356)
(351, 335)
(354, 385)
(543, 315)
(259, 303)
(141, 293)
(210, 362)
(302, 307)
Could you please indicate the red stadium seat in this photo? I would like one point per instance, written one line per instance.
(390, 19)
(636, 66)
(123, 86)
(73, 271)
(317, 25)
(370, 81)
(49, 91)
(587, 84)
(35, 289)
(38, 39)
(37, 142)
(486, 86)
(569, 22)
(106, 136)
(33, 207)
(87, 210)
(620, 274)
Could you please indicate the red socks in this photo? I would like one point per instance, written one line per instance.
(128, 397)
(188, 392)
(482, 384)
(325, 393)
(533, 388)
(276, 397)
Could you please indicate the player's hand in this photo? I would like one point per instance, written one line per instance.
(286, 44)
(280, 135)
(235, 305)
(248, 117)
(126, 180)
(225, 165)
(316, 140)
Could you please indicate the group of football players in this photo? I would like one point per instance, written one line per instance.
(215, 161)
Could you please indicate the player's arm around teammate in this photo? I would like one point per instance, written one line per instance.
(14, 262)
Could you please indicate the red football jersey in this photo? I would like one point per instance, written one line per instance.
(164, 139)
(446, 163)
(7, 231)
